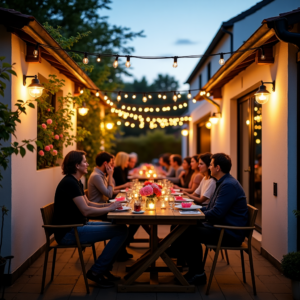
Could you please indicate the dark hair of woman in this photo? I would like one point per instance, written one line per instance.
(72, 159)
(206, 158)
(195, 157)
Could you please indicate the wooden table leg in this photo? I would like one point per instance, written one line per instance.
(153, 248)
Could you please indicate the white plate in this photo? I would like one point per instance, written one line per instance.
(176, 194)
(176, 190)
(124, 191)
(138, 212)
(189, 208)
(124, 208)
(185, 200)
(114, 200)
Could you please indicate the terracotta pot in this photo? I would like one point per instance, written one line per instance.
(296, 289)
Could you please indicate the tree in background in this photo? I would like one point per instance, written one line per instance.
(150, 145)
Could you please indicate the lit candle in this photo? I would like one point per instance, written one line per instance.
(163, 204)
(163, 192)
(150, 171)
(141, 172)
(154, 175)
(166, 198)
(148, 175)
(151, 205)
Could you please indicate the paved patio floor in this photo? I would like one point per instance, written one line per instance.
(227, 284)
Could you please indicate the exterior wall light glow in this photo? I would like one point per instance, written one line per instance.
(36, 51)
(214, 119)
(262, 95)
(35, 89)
(208, 125)
(83, 110)
(109, 126)
(184, 132)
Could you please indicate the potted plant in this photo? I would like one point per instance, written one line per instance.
(291, 269)
(4, 211)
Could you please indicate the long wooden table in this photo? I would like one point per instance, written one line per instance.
(146, 263)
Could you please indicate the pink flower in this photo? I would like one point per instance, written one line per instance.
(44, 126)
(49, 121)
(51, 146)
(47, 148)
(61, 135)
(146, 190)
(56, 137)
(157, 192)
(54, 152)
(48, 109)
(41, 153)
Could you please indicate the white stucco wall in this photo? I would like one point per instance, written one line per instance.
(31, 189)
(279, 122)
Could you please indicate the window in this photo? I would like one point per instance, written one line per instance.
(208, 71)
(200, 81)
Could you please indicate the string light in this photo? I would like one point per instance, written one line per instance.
(85, 59)
(97, 94)
(119, 96)
(36, 51)
(178, 95)
(98, 58)
(81, 91)
(127, 64)
(115, 64)
(126, 96)
(119, 123)
(189, 95)
(105, 96)
(263, 57)
(159, 96)
(207, 94)
(133, 96)
(175, 64)
(164, 96)
(175, 97)
(194, 100)
(150, 96)
(144, 98)
(221, 60)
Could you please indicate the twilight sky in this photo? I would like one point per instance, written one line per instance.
(172, 27)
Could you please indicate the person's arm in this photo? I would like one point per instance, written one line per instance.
(223, 203)
(92, 211)
(197, 180)
(123, 186)
(171, 172)
(181, 177)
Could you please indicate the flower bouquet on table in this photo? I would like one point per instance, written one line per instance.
(151, 191)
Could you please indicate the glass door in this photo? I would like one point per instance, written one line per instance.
(249, 152)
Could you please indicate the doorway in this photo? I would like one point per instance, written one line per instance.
(250, 152)
(203, 136)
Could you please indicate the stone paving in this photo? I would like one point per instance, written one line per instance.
(227, 283)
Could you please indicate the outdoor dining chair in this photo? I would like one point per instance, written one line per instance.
(246, 246)
(47, 215)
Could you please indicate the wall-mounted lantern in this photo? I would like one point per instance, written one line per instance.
(214, 119)
(35, 89)
(262, 95)
(83, 110)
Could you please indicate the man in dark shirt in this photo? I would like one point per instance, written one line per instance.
(228, 206)
(71, 206)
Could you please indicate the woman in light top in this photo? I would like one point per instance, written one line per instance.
(207, 187)
(195, 179)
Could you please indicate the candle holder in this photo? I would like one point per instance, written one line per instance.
(163, 204)
(150, 203)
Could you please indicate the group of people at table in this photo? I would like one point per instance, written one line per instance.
(205, 178)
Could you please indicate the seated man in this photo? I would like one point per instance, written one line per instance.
(71, 206)
(175, 161)
(133, 158)
(100, 187)
(228, 206)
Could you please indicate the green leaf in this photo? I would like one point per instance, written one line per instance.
(30, 147)
(6, 65)
(22, 151)
(12, 72)
(31, 105)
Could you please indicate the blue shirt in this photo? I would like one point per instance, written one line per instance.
(228, 206)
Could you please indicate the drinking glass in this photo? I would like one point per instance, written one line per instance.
(137, 206)
(171, 202)
(129, 196)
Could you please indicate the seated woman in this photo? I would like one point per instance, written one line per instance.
(207, 186)
(186, 175)
(164, 162)
(195, 179)
(120, 169)
(71, 206)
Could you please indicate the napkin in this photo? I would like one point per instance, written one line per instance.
(172, 190)
(178, 198)
(120, 199)
(127, 189)
(189, 204)
(190, 212)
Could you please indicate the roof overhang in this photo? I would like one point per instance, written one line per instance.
(30, 30)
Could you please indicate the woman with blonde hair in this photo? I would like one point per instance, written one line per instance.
(121, 170)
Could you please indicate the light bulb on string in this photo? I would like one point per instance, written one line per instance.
(127, 64)
(36, 51)
(159, 95)
(98, 58)
(115, 64)
(126, 96)
(208, 94)
(194, 100)
(144, 98)
(174, 97)
(164, 96)
(85, 59)
(119, 96)
(81, 91)
(150, 96)
(97, 94)
(263, 56)
(178, 95)
(133, 96)
(175, 64)
(105, 96)
(221, 60)
(189, 95)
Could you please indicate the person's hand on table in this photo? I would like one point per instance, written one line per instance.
(115, 205)
(176, 186)
(128, 184)
(116, 192)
